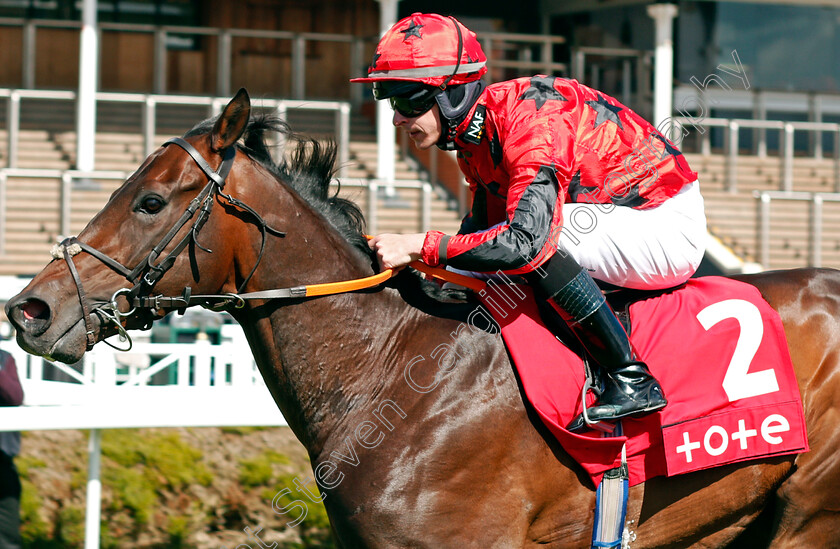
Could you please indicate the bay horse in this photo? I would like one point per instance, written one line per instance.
(464, 463)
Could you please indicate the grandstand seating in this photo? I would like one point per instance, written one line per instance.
(32, 219)
(47, 141)
(733, 217)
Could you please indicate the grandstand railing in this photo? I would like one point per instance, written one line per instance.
(149, 102)
(372, 189)
(376, 187)
(815, 219)
(504, 50)
(763, 104)
(66, 176)
(213, 385)
(732, 150)
(588, 64)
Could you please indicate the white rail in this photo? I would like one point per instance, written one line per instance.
(815, 221)
(787, 130)
(149, 103)
(216, 385)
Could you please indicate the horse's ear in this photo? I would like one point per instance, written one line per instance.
(232, 122)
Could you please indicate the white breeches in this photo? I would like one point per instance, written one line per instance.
(645, 249)
(650, 249)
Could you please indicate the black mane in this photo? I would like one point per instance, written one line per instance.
(308, 170)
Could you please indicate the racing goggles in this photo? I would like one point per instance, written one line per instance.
(410, 99)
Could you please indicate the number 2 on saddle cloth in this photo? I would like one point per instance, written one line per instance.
(717, 348)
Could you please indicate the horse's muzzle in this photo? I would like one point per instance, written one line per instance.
(29, 315)
(40, 332)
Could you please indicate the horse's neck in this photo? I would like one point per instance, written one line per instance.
(322, 357)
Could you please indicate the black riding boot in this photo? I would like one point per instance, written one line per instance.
(629, 387)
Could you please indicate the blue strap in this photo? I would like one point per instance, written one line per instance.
(611, 504)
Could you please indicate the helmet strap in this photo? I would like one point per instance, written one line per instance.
(460, 53)
(452, 115)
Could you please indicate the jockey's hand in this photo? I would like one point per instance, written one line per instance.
(395, 251)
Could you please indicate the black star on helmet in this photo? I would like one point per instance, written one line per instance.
(376, 57)
(605, 111)
(412, 30)
(542, 90)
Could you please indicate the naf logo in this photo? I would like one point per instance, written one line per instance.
(475, 131)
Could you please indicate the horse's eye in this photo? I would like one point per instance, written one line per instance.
(151, 204)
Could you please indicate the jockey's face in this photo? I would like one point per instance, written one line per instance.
(424, 129)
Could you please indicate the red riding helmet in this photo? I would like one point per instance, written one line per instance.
(425, 49)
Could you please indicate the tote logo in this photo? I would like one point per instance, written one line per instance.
(476, 128)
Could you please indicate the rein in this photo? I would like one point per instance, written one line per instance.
(151, 269)
(297, 292)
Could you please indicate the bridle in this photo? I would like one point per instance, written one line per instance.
(149, 271)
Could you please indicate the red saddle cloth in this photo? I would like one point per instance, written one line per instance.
(720, 353)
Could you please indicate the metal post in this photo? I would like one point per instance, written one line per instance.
(760, 113)
(149, 124)
(86, 98)
(159, 77)
(433, 165)
(706, 143)
(216, 106)
(578, 64)
(357, 51)
(94, 490)
(764, 230)
(385, 132)
(223, 63)
(373, 196)
(202, 360)
(663, 16)
(816, 230)
(487, 46)
(815, 114)
(64, 207)
(29, 50)
(426, 207)
(343, 131)
(625, 82)
(643, 68)
(3, 211)
(594, 76)
(281, 137)
(98, 58)
(524, 55)
(837, 160)
(548, 56)
(787, 159)
(13, 128)
(298, 67)
(732, 157)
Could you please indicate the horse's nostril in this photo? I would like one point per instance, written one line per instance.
(35, 309)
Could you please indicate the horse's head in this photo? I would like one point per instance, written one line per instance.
(156, 234)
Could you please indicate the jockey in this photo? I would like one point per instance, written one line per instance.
(567, 184)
